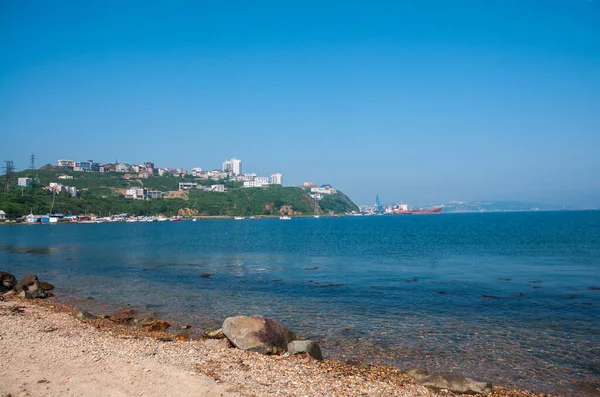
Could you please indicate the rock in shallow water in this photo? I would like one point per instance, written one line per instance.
(30, 287)
(416, 373)
(216, 334)
(46, 286)
(85, 314)
(305, 346)
(456, 384)
(258, 334)
(152, 324)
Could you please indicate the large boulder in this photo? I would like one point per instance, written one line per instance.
(305, 346)
(456, 384)
(258, 334)
(7, 281)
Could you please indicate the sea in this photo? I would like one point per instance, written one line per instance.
(511, 298)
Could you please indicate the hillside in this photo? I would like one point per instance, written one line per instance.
(102, 194)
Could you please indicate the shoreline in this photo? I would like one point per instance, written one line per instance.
(206, 366)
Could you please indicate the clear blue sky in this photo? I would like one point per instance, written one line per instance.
(420, 101)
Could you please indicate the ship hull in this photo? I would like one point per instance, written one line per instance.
(434, 210)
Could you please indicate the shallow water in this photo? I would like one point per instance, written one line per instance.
(507, 297)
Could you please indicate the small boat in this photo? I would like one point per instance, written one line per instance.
(252, 217)
(162, 219)
(175, 219)
(239, 218)
(284, 218)
(316, 217)
(194, 220)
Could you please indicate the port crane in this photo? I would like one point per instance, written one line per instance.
(379, 206)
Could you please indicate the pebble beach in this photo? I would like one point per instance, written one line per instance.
(46, 350)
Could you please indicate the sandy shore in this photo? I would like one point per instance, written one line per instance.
(45, 350)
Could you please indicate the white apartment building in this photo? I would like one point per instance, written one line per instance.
(254, 184)
(70, 164)
(276, 179)
(24, 182)
(233, 166)
(187, 185)
(121, 168)
(321, 190)
(196, 171)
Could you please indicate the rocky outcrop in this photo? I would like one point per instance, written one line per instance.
(455, 384)
(305, 346)
(7, 281)
(29, 287)
(258, 334)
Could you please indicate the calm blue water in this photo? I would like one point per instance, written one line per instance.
(508, 297)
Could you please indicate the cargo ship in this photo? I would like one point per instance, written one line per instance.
(404, 210)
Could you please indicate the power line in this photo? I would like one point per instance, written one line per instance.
(8, 170)
(32, 161)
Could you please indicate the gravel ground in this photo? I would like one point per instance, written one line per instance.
(45, 350)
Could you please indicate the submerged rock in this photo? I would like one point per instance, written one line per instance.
(305, 346)
(152, 324)
(484, 296)
(416, 373)
(456, 384)
(258, 334)
(85, 314)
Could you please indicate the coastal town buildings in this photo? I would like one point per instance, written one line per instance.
(231, 171)
(142, 194)
(24, 182)
(59, 187)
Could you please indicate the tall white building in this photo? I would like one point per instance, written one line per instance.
(233, 166)
(276, 179)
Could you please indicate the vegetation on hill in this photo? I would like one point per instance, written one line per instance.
(102, 194)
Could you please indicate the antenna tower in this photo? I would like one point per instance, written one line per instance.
(32, 161)
(8, 170)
